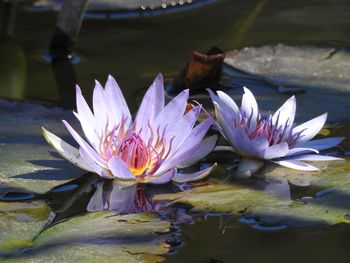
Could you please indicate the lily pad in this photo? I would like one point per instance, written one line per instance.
(269, 201)
(100, 235)
(319, 77)
(26, 160)
(20, 223)
(322, 68)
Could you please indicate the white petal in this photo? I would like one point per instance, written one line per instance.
(183, 128)
(275, 151)
(187, 148)
(119, 169)
(249, 107)
(89, 150)
(243, 145)
(225, 105)
(224, 126)
(310, 128)
(101, 108)
(235, 135)
(182, 178)
(248, 167)
(297, 165)
(321, 144)
(173, 110)
(205, 147)
(67, 151)
(285, 114)
(315, 158)
(117, 103)
(151, 105)
(296, 151)
(86, 118)
(226, 102)
(164, 178)
(104, 173)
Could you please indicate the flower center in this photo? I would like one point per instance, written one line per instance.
(275, 132)
(134, 152)
(142, 157)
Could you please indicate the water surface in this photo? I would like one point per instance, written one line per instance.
(134, 50)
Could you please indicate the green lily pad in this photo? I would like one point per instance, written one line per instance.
(322, 68)
(100, 236)
(20, 223)
(267, 197)
(317, 75)
(26, 159)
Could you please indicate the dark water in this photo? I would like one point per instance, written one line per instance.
(134, 50)
(205, 242)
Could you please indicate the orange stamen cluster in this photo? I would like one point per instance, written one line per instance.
(143, 158)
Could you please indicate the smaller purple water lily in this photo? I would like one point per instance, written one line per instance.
(273, 138)
(146, 150)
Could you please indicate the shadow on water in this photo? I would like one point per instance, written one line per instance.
(89, 193)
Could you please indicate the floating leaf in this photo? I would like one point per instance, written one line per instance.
(268, 201)
(321, 72)
(100, 236)
(26, 160)
(20, 223)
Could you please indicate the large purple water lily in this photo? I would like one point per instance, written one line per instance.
(272, 138)
(146, 150)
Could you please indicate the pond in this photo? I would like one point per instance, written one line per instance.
(51, 211)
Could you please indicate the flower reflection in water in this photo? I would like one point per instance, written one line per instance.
(135, 198)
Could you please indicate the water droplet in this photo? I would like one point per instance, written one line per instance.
(163, 5)
(181, 2)
(143, 7)
(47, 58)
(173, 3)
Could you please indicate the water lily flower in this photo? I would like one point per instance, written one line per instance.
(274, 137)
(148, 149)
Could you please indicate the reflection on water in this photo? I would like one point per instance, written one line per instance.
(230, 236)
(134, 50)
(203, 242)
(124, 198)
(13, 68)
